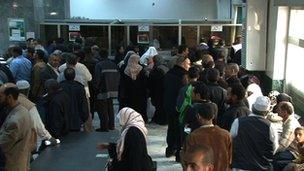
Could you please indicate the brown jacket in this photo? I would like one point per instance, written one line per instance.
(216, 138)
(16, 139)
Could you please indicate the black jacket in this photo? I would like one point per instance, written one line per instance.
(218, 95)
(78, 106)
(6, 75)
(106, 79)
(233, 112)
(57, 112)
(47, 73)
(173, 82)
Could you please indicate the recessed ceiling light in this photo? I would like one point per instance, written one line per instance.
(53, 13)
(15, 5)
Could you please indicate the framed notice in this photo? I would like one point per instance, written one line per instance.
(143, 38)
(73, 35)
(16, 29)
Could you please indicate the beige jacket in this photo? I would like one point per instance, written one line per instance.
(16, 139)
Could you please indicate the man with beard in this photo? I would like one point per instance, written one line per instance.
(235, 98)
(16, 132)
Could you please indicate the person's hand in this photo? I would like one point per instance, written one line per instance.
(102, 146)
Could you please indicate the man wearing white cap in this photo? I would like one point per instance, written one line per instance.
(254, 139)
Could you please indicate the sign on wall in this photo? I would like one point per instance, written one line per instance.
(143, 28)
(216, 28)
(74, 27)
(16, 29)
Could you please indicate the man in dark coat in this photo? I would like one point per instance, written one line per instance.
(106, 81)
(236, 94)
(79, 110)
(218, 95)
(57, 108)
(174, 80)
(51, 69)
(49, 72)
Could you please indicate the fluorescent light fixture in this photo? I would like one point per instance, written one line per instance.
(15, 5)
(53, 13)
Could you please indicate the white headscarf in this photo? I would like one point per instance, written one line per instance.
(256, 92)
(148, 54)
(133, 68)
(129, 118)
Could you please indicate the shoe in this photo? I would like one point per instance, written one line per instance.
(169, 152)
(101, 130)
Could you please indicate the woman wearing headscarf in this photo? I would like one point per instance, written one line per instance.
(253, 92)
(130, 152)
(147, 57)
(133, 87)
(156, 87)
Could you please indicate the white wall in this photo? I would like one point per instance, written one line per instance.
(277, 39)
(143, 9)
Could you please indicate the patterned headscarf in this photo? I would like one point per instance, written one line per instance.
(129, 118)
(133, 68)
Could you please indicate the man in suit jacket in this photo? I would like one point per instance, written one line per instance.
(16, 132)
(51, 69)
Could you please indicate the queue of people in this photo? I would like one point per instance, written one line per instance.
(217, 116)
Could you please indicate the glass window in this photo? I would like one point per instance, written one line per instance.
(167, 36)
(48, 33)
(96, 34)
(189, 35)
(119, 37)
(295, 54)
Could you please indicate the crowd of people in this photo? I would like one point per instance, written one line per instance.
(217, 116)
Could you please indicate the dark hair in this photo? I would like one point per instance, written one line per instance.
(80, 54)
(180, 60)
(40, 53)
(118, 48)
(201, 88)
(103, 53)
(206, 110)
(69, 74)
(76, 47)
(213, 75)
(194, 72)
(182, 48)
(284, 97)
(13, 91)
(238, 90)
(286, 106)
(206, 151)
(71, 59)
(17, 49)
(51, 84)
(30, 50)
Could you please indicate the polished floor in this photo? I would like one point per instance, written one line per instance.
(78, 152)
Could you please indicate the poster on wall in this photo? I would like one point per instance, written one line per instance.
(16, 29)
(143, 38)
(73, 35)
